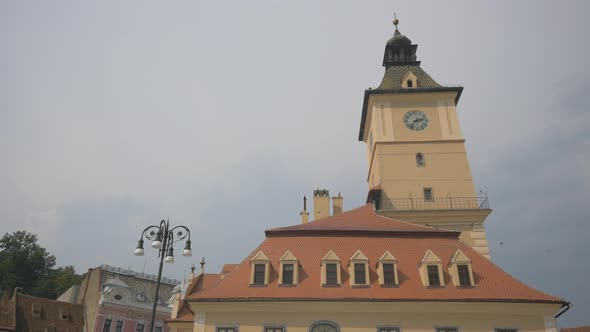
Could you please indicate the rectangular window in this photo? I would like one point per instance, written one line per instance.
(226, 329)
(464, 277)
(139, 328)
(428, 194)
(447, 329)
(359, 274)
(119, 326)
(107, 325)
(259, 273)
(433, 277)
(287, 274)
(273, 329)
(388, 274)
(158, 329)
(388, 329)
(506, 330)
(331, 274)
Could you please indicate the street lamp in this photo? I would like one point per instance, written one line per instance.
(162, 238)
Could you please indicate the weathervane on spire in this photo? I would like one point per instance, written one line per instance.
(395, 21)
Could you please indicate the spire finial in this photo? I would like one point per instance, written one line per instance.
(202, 263)
(304, 203)
(395, 21)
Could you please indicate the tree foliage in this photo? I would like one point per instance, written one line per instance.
(24, 263)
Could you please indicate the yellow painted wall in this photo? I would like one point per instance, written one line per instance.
(446, 169)
(366, 317)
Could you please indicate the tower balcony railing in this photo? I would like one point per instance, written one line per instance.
(436, 203)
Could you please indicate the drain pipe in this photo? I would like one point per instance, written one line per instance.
(565, 307)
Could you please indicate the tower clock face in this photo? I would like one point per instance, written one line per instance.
(416, 120)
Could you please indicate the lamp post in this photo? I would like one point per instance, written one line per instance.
(163, 240)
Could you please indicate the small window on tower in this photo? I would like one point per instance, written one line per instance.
(420, 159)
(410, 84)
(428, 196)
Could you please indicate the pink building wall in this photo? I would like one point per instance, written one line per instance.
(130, 317)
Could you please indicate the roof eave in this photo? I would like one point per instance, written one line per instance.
(311, 299)
(458, 89)
(358, 232)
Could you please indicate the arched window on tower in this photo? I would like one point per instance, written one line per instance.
(419, 159)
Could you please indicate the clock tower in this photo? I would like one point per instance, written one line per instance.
(418, 169)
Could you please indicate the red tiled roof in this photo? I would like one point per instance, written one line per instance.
(199, 283)
(492, 284)
(360, 221)
(227, 268)
(575, 329)
(385, 234)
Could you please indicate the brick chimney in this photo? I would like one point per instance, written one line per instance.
(337, 204)
(304, 214)
(321, 204)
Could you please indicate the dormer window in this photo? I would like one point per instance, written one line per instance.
(464, 275)
(409, 81)
(431, 270)
(331, 275)
(359, 269)
(259, 269)
(433, 276)
(460, 270)
(387, 269)
(360, 274)
(289, 269)
(259, 274)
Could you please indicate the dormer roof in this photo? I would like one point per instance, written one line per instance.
(260, 256)
(288, 256)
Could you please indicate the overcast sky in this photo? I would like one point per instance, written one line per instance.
(220, 116)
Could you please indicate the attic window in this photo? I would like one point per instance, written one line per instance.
(387, 270)
(259, 273)
(287, 274)
(433, 276)
(259, 269)
(289, 269)
(331, 275)
(359, 269)
(460, 270)
(118, 297)
(431, 270)
(409, 81)
(464, 278)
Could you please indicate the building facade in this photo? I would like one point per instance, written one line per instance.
(119, 300)
(24, 313)
(413, 259)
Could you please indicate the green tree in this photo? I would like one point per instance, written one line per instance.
(24, 263)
